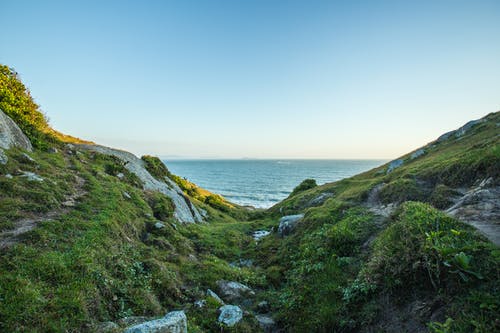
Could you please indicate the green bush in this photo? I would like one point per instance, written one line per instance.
(156, 167)
(306, 184)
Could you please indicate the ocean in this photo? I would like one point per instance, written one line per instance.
(263, 183)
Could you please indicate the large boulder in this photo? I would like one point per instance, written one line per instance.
(173, 322)
(184, 211)
(230, 315)
(11, 135)
(288, 223)
(234, 292)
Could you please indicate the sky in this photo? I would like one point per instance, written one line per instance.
(257, 79)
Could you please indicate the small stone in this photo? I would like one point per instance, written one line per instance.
(52, 150)
(259, 234)
(230, 315)
(32, 176)
(9, 176)
(27, 158)
(233, 291)
(126, 195)
(266, 323)
(263, 307)
(120, 175)
(212, 294)
(159, 225)
(200, 304)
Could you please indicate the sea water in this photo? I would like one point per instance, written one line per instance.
(263, 183)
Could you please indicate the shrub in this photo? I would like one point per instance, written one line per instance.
(156, 167)
(304, 186)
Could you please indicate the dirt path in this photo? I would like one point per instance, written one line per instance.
(11, 237)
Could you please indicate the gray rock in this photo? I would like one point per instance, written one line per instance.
(107, 327)
(159, 225)
(126, 195)
(417, 153)
(210, 293)
(120, 175)
(266, 323)
(464, 129)
(263, 307)
(480, 207)
(32, 177)
(27, 158)
(394, 164)
(230, 315)
(52, 150)
(200, 304)
(11, 135)
(445, 136)
(184, 211)
(3, 157)
(320, 199)
(242, 263)
(9, 176)
(232, 291)
(288, 223)
(173, 322)
(259, 234)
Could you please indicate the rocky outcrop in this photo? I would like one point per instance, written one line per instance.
(11, 135)
(173, 322)
(480, 207)
(461, 131)
(234, 292)
(184, 212)
(417, 153)
(394, 164)
(230, 315)
(288, 223)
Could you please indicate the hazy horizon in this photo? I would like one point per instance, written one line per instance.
(260, 79)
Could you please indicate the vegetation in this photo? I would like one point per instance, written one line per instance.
(101, 248)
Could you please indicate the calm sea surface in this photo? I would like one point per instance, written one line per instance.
(262, 183)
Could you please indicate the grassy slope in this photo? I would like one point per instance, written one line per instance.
(344, 266)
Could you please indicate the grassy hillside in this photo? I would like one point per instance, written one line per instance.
(96, 247)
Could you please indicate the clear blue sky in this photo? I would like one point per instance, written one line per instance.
(299, 79)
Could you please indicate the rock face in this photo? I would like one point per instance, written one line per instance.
(173, 322)
(459, 132)
(394, 164)
(184, 212)
(288, 223)
(480, 207)
(11, 135)
(234, 292)
(230, 315)
(417, 153)
(320, 199)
